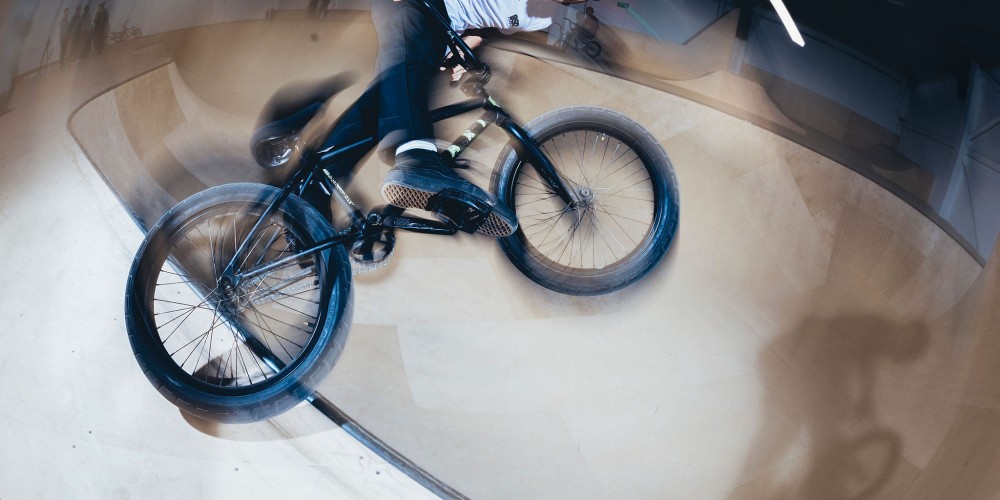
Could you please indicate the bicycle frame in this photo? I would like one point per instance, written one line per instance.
(314, 167)
(315, 170)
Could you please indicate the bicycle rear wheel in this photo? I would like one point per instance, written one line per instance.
(629, 207)
(587, 46)
(237, 352)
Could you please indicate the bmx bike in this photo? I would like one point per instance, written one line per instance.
(127, 33)
(579, 39)
(239, 300)
(854, 468)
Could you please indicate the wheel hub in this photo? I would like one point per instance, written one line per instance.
(226, 286)
(231, 294)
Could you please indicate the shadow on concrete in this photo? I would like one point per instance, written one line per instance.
(820, 411)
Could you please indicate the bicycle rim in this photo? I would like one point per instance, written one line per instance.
(618, 205)
(234, 338)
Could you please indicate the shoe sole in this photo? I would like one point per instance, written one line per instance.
(408, 197)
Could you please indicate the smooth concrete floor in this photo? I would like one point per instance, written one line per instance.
(808, 336)
(77, 417)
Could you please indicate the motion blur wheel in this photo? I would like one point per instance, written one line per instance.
(627, 209)
(230, 348)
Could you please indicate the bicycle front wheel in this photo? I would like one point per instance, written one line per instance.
(628, 210)
(237, 351)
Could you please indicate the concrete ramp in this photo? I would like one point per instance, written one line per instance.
(967, 463)
(808, 336)
(156, 143)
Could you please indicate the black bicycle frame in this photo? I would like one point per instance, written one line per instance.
(319, 172)
(314, 166)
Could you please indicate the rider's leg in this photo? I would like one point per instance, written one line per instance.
(411, 45)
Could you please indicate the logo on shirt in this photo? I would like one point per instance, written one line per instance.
(514, 21)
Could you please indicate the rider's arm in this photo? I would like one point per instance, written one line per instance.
(473, 38)
(479, 36)
(472, 41)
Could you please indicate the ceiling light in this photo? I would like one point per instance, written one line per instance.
(786, 19)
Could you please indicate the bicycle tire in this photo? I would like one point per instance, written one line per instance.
(592, 49)
(887, 449)
(656, 213)
(175, 295)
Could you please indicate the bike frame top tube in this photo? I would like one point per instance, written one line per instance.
(525, 146)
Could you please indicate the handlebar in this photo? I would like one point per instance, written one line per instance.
(469, 59)
(477, 72)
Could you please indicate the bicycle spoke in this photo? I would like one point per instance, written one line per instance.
(604, 209)
(619, 169)
(597, 222)
(271, 315)
(613, 218)
(296, 327)
(263, 324)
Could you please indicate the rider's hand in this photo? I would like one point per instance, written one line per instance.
(472, 41)
(456, 73)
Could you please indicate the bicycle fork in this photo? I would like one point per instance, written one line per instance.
(523, 144)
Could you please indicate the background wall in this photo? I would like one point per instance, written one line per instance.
(675, 21)
(31, 27)
(829, 69)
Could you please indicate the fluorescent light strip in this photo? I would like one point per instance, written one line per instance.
(786, 19)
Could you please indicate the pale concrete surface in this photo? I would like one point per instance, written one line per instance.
(77, 419)
(808, 335)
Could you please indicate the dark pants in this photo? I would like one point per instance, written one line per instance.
(394, 108)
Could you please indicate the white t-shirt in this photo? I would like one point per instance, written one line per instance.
(508, 16)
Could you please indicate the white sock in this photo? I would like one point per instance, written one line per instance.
(425, 144)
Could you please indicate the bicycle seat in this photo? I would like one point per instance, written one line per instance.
(291, 99)
(290, 108)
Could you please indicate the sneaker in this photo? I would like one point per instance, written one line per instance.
(419, 175)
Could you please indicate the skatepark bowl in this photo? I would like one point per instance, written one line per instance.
(809, 335)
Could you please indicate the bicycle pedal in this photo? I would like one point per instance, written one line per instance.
(459, 209)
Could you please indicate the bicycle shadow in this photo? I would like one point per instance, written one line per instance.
(820, 435)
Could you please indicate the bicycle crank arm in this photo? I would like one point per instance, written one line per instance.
(418, 225)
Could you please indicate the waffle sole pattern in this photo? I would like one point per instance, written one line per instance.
(407, 197)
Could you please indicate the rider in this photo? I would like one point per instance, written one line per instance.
(395, 105)
(587, 24)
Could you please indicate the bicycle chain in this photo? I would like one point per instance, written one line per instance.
(360, 267)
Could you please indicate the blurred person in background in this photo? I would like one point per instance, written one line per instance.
(101, 28)
(63, 37)
(86, 32)
(73, 43)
